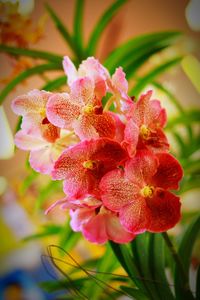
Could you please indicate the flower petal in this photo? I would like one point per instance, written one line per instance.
(165, 211)
(119, 82)
(41, 160)
(79, 217)
(33, 102)
(70, 70)
(82, 91)
(136, 216)
(61, 111)
(25, 141)
(115, 231)
(169, 172)
(95, 125)
(117, 191)
(131, 134)
(141, 168)
(95, 230)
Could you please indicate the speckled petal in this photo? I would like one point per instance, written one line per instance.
(136, 216)
(70, 70)
(41, 160)
(61, 111)
(117, 191)
(169, 172)
(32, 102)
(82, 91)
(141, 168)
(131, 134)
(26, 141)
(165, 211)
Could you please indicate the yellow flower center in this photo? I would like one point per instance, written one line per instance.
(147, 191)
(144, 132)
(88, 109)
(89, 164)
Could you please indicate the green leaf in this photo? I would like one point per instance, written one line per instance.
(135, 293)
(62, 284)
(105, 264)
(189, 183)
(128, 263)
(185, 252)
(68, 238)
(190, 116)
(153, 74)
(47, 230)
(78, 26)
(55, 83)
(171, 97)
(101, 25)
(157, 265)
(28, 181)
(45, 192)
(141, 252)
(31, 53)
(128, 53)
(61, 28)
(26, 74)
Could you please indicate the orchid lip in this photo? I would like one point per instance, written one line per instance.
(89, 164)
(144, 132)
(147, 191)
(88, 109)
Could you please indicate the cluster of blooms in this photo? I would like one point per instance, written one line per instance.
(116, 165)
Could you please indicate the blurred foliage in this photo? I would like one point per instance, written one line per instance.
(145, 260)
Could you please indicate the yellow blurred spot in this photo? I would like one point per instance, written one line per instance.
(7, 141)
(191, 67)
(3, 185)
(144, 132)
(147, 191)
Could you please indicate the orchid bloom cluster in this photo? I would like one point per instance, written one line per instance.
(115, 165)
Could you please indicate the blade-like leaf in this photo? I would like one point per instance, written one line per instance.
(134, 293)
(153, 74)
(157, 265)
(189, 117)
(47, 230)
(31, 53)
(78, 26)
(26, 74)
(101, 25)
(55, 83)
(45, 192)
(185, 251)
(105, 264)
(61, 28)
(127, 261)
(125, 53)
(141, 253)
(68, 238)
(62, 284)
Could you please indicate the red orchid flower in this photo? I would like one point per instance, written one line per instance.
(140, 193)
(83, 165)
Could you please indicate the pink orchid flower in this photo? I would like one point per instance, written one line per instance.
(83, 165)
(118, 86)
(91, 68)
(140, 193)
(45, 148)
(82, 111)
(32, 107)
(144, 127)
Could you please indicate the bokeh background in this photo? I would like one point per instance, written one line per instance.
(19, 217)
